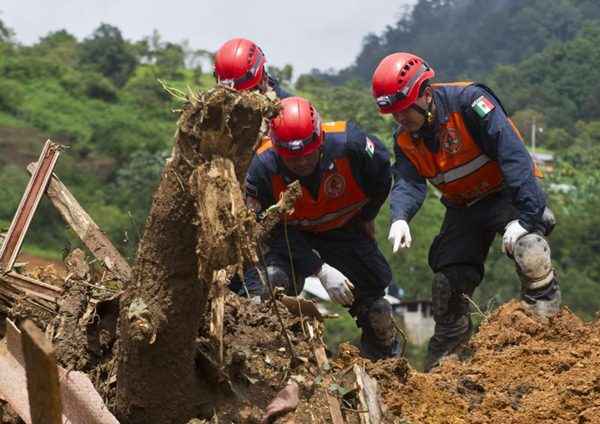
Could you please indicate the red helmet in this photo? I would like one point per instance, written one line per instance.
(240, 61)
(296, 131)
(397, 80)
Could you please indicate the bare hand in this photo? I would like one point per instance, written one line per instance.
(285, 401)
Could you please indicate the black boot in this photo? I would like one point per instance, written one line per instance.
(446, 340)
(379, 337)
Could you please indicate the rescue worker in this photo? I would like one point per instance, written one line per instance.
(345, 178)
(458, 137)
(240, 63)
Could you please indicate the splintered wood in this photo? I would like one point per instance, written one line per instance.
(29, 202)
(368, 396)
(218, 310)
(323, 363)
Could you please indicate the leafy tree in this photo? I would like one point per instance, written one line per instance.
(109, 54)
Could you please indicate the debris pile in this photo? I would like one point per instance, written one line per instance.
(165, 339)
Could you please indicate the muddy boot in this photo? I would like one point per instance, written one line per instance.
(450, 310)
(379, 338)
(446, 340)
(544, 301)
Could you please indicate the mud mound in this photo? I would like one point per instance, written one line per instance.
(521, 370)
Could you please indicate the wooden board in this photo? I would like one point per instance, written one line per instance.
(40, 174)
(88, 231)
(42, 376)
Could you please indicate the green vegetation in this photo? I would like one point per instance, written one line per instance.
(101, 96)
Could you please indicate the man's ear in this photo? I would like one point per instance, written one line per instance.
(428, 94)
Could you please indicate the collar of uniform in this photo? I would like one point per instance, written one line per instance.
(441, 109)
(429, 134)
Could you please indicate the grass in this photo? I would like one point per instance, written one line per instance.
(7, 120)
(42, 252)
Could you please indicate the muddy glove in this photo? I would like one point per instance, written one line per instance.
(400, 235)
(336, 284)
(512, 233)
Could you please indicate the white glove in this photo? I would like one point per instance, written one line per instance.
(512, 233)
(336, 284)
(400, 235)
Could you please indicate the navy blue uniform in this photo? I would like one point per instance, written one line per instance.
(274, 84)
(494, 135)
(294, 253)
(349, 249)
(458, 252)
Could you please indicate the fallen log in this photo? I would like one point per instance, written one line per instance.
(166, 304)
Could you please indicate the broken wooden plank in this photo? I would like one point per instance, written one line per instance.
(87, 230)
(368, 396)
(42, 376)
(80, 400)
(31, 286)
(323, 363)
(299, 306)
(40, 174)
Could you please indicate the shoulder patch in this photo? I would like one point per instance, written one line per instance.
(369, 147)
(482, 106)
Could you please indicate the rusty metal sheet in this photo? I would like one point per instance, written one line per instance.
(80, 400)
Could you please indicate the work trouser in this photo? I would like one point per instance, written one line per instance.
(355, 255)
(457, 257)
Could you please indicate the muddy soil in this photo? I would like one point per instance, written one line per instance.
(517, 369)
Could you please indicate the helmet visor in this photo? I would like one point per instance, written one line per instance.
(390, 100)
(251, 73)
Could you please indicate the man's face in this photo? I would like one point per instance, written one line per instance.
(302, 166)
(410, 119)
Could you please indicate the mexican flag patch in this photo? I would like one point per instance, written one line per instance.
(370, 147)
(482, 106)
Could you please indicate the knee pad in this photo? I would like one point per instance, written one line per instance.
(534, 265)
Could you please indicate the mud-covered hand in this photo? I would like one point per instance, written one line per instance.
(336, 284)
(512, 233)
(400, 235)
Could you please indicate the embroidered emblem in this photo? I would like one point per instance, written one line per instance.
(450, 141)
(335, 185)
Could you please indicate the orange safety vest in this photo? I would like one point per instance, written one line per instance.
(340, 196)
(459, 169)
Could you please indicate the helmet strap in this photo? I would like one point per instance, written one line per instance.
(427, 113)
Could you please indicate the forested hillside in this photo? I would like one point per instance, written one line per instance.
(101, 96)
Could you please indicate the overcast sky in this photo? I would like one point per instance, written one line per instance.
(306, 33)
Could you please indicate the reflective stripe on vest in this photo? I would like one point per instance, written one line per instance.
(327, 218)
(459, 169)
